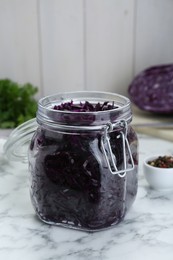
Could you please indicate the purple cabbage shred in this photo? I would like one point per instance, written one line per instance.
(84, 107)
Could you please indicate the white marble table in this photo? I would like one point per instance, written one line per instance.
(145, 233)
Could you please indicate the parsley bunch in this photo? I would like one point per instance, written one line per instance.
(17, 103)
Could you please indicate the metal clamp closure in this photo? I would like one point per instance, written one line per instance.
(107, 150)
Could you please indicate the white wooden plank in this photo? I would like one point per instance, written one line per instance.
(154, 33)
(109, 44)
(62, 45)
(19, 52)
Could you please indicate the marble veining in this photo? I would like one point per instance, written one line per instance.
(145, 233)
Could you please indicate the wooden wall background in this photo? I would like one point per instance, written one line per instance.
(68, 45)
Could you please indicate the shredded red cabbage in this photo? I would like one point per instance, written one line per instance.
(84, 107)
(72, 185)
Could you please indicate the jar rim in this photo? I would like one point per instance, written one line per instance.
(47, 114)
(67, 96)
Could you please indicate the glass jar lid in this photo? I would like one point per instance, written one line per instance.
(17, 144)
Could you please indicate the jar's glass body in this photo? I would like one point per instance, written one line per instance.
(71, 183)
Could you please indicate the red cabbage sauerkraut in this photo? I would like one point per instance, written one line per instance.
(71, 182)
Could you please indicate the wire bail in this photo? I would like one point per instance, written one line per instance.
(107, 150)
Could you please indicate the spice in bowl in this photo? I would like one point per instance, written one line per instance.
(162, 162)
(158, 171)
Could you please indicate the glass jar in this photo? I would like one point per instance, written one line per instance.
(83, 165)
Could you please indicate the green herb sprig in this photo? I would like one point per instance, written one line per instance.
(17, 103)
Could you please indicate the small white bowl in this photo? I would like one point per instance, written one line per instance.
(158, 178)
